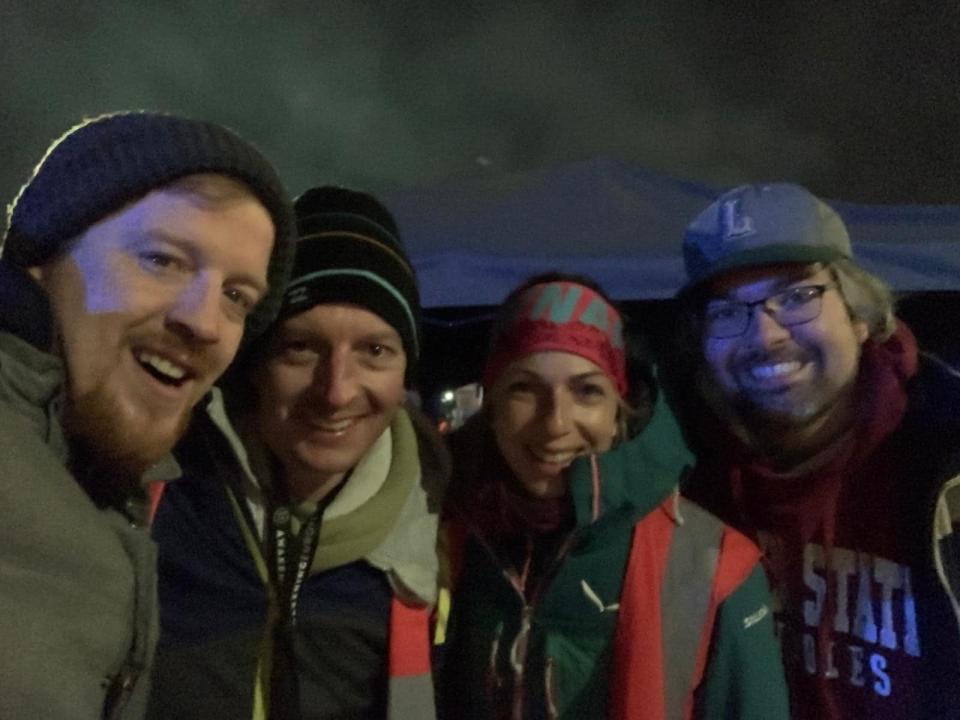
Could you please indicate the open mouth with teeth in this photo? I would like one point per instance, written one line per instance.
(553, 458)
(334, 427)
(772, 375)
(775, 370)
(161, 369)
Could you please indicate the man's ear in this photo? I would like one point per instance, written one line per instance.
(36, 272)
(861, 330)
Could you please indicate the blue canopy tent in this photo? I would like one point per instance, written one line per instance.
(473, 239)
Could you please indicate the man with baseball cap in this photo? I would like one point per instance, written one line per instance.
(824, 433)
(141, 250)
(297, 552)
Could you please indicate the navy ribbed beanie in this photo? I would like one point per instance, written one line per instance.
(102, 164)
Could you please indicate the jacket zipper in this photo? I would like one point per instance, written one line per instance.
(518, 660)
(518, 650)
(550, 690)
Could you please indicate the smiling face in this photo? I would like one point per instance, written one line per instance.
(149, 306)
(328, 386)
(546, 409)
(785, 377)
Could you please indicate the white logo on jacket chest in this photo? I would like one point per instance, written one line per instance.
(592, 596)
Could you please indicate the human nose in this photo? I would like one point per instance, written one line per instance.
(557, 414)
(197, 309)
(764, 329)
(336, 379)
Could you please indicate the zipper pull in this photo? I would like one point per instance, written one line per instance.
(518, 658)
(518, 651)
(550, 690)
(494, 681)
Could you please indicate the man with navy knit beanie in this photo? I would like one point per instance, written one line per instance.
(297, 552)
(140, 252)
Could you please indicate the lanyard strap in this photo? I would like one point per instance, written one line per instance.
(291, 554)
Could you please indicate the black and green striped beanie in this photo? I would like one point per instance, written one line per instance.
(349, 251)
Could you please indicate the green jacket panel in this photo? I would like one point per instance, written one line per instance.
(577, 618)
(78, 582)
(744, 679)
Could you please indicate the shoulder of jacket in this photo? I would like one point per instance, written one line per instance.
(737, 554)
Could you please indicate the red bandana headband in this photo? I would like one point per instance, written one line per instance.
(566, 317)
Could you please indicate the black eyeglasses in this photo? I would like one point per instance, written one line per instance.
(730, 318)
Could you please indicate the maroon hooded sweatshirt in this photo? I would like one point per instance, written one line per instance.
(840, 571)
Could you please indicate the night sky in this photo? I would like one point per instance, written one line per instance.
(857, 100)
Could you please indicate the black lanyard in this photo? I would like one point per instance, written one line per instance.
(291, 554)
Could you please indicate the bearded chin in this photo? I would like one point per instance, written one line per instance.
(108, 455)
(750, 418)
(782, 412)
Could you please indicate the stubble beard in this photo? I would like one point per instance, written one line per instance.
(763, 419)
(795, 429)
(780, 409)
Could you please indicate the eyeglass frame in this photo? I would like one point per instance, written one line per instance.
(821, 288)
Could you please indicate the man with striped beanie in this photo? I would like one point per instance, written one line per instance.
(307, 516)
(141, 251)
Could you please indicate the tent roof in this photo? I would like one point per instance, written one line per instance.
(472, 240)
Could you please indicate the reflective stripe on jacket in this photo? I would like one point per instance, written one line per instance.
(684, 563)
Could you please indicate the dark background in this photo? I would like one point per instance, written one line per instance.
(858, 100)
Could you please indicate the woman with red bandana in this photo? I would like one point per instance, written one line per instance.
(575, 593)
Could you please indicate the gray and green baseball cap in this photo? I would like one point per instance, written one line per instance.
(761, 225)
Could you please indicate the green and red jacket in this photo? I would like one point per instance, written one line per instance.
(654, 608)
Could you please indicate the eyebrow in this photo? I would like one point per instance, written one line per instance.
(288, 332)
(380, 338)
(384, 336)
(779, 286)
(189, 247)
(588, 375)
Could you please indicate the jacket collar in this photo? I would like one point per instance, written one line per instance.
(639, 473)
(31, 377)
(391, 521)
